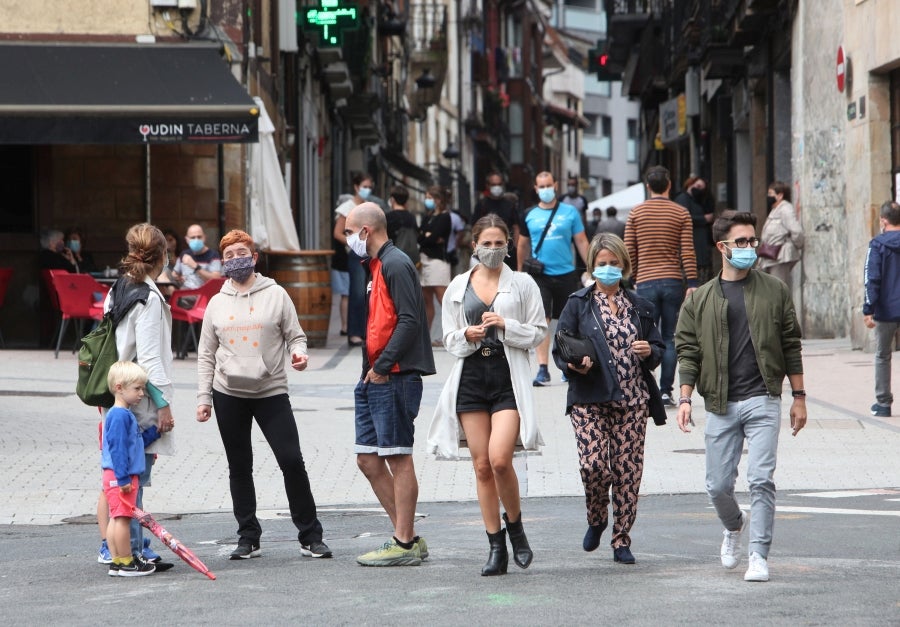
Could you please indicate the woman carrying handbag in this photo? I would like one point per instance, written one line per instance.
(610, 400)
(782, 234)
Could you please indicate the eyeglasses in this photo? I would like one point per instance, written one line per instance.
(743, 242)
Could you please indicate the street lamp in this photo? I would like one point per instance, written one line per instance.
(451, 152)
(422, 99)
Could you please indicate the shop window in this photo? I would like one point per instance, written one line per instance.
(16, 199)
(605, 133)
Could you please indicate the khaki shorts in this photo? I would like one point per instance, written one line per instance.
(434, 272)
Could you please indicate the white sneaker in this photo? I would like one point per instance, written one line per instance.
(758, 570)
(731, 544)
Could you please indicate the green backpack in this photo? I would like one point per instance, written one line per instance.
(98, 349)
(97, 353)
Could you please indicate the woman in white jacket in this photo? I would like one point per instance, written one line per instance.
(492, 317)
(782, 228)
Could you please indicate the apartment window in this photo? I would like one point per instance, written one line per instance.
(604, 88)
(516, 132)
(632, 148)
(605, 187)
(583, 4)
(605, 133)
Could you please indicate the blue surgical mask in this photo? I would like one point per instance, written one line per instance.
(547, 195)
(196, 245)
(742, 258)
(74, 245)
(608, 275)
(429, 204)
(364, 192)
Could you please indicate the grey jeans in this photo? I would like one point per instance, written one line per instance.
(884, 339)
(757, 419)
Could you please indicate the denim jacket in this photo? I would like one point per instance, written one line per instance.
(600, 384)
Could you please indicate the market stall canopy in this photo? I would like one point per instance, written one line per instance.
(623, 200)
(121, 94)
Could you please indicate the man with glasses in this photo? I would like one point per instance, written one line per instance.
(198, 263)
(737, 339)
(660, 241)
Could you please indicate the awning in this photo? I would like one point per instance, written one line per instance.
(404, 166)
(121, 94)
(566, 116)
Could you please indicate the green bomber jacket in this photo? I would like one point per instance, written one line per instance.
(701, 337)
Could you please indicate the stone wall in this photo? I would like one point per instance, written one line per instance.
(820, 169)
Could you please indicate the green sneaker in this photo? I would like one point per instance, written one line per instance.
(391, 554)
(423, 548)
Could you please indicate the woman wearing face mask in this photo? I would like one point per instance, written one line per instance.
(697, 201)
(84, 260)
(241, 374)
(356, 305)
(492, 318)
(433, 235)
(611, 400)
(782, 228)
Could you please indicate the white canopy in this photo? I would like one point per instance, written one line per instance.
(624, 200)
(271, 219)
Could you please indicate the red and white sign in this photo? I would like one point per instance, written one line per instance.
(841, 69)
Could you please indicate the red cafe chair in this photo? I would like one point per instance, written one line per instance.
(189, 306)
(5, 277)
(77, 301)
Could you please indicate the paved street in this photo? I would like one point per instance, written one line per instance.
(823, 541)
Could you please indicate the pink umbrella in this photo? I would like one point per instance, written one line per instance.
(170, 541)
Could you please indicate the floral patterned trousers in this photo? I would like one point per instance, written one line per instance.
(610, 441)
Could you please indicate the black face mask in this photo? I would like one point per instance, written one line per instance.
(770, 201)
(697, 194)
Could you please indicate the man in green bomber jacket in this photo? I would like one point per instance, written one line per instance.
(737, 337)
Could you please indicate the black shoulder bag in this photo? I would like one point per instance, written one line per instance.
(531, 265)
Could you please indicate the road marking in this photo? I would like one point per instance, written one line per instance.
(830, 510)
(842, 494)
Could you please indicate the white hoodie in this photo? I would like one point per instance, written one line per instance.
(242, 345)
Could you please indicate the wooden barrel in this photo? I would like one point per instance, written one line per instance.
(306, 277)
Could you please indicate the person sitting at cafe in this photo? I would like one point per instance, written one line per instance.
(166, 281)
(74, 240)
(198, 263)
(54, 255)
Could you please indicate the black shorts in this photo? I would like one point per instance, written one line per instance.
(555, 291)
(485, 384)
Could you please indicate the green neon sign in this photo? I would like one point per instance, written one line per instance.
(333, 19)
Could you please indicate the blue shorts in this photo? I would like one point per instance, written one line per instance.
(340, 282)
(385, 415)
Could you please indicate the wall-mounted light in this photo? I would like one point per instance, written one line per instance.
(451, 152)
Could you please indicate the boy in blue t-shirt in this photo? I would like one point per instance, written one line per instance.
(122, 461)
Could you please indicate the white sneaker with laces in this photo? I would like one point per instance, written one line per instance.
(758, 569)
(731, 544)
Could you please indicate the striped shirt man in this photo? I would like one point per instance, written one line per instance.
(660, 241)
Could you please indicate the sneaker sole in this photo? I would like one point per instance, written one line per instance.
(101, 560)
(755, 578)
(406, 561)
(308, 553)
(255, 553)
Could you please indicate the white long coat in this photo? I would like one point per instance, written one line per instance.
(518, 301)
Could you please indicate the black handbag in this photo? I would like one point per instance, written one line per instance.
(574, 348)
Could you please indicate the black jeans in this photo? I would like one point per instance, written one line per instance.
(276, 421)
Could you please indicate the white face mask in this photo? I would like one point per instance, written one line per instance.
(496, 191)
(357, 245)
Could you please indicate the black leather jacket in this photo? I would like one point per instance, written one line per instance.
(600, 384)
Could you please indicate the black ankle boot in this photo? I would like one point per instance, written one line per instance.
(498, 558)
(522, 554)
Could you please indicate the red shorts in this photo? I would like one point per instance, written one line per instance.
(120, 503)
